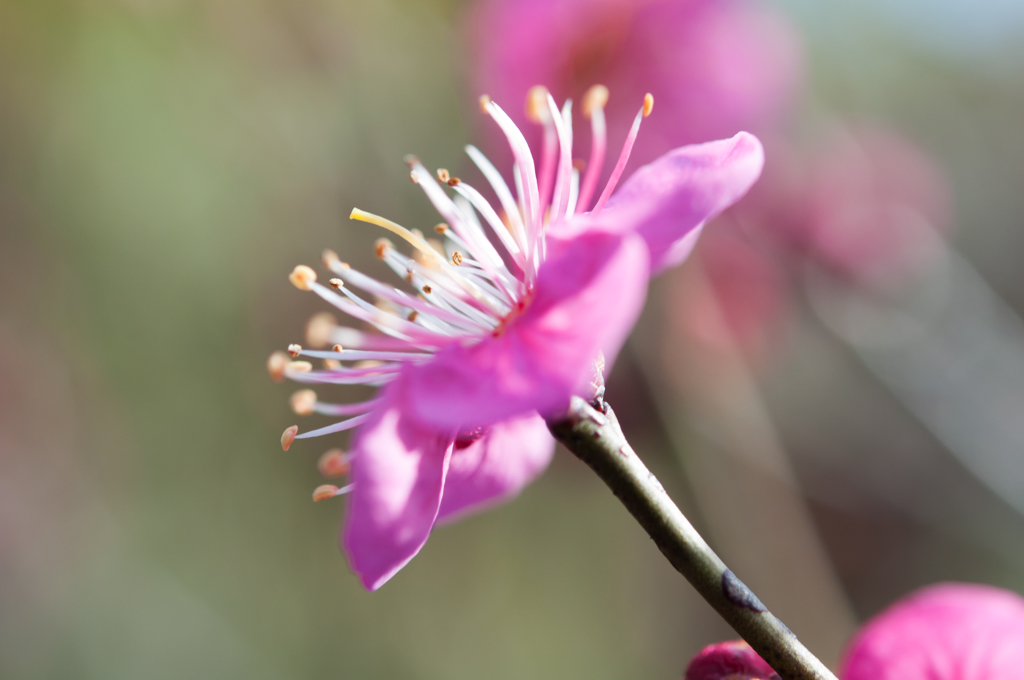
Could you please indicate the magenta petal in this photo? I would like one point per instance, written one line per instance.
(667, 200)
(732, 660)
(495, 467)
(587, 297)
(398, 471)
(950, 631)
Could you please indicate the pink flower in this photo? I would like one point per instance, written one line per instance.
(716, 66)
(950, 631)
(508, 318)
(877, 205)
(732, 660)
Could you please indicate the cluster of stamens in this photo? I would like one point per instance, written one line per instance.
(468, 284)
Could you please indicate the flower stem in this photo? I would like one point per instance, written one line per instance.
(593, 435)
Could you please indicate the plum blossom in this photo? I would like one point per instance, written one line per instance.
(502, 326)
(949, 631)
(731, 660)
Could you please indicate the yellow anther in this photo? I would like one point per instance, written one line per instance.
(428, 290)
(442, 175)
(294, 350)
(336, 283)
(441, 228)
(485, 101)
(457, 258)
(454, 182)
(595, 98)
(648, 104)
(323, 492)
(380, 247)
(337, 348)
(276, 364)
(303, 402)
(330, 258)
(333, 464)
(319, 328)
(288, 436)
(302, 277)
(536, 107)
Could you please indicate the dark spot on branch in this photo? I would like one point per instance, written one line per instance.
(738, 593)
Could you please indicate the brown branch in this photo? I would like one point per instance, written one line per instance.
(595, 437)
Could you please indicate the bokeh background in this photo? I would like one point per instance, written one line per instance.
(165, 163)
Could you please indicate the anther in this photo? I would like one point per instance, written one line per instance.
(294, 350)
(338, 348)
(381, 246)
(441, 228)
(302, 277)
(276, 365)
(323, 492)
(299, 366)
(303, 402)
(414, 178)
(595, 98)
(288, 436)
(579, 164)
(319, 328)
(428, 290)
(329, 258)
(454, 182)
(412, 315)
(333, 464)
(336, 283)
(536, 107)
(456, 258)
(442, 175)
(648, 104)
(484, 102)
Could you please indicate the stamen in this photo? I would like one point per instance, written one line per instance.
(508, 203)
(417, 242)
(441, 229)
(336, 283)
(595, 98)
(563, 128)
(319, 328)
(536, 106)
(337, 348)
(593, 108)
(442, 175)
(484, 101)
(303, 402)
(276, 365)
(456, 258)
(331, 429)
(288, 436)
(627, 147)
(325, 491)
(302, 277)
(334, 463)
(298, 367)
(537, 112)
(294, 350)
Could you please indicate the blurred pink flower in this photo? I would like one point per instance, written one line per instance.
(715, 66)
(732, 660)
(495, 340)
(951, 631)
(876, 204)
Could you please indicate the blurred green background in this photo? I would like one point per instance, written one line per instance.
(165, 163)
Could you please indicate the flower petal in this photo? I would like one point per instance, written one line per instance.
(494, 468)
(950, 631)
(398, 472)
(588, 294)
(667, 201)
(732, 660)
